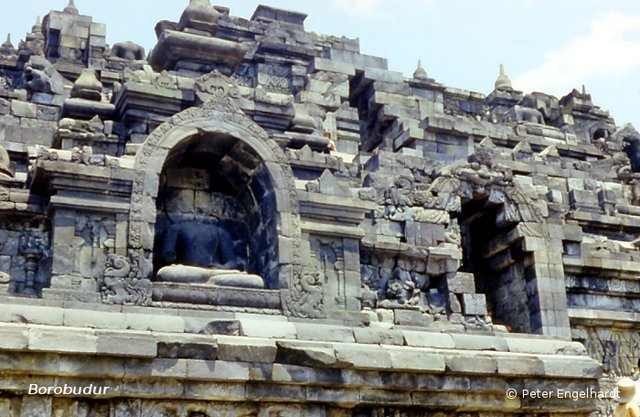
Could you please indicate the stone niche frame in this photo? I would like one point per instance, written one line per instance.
(541, 240)
(217, 114)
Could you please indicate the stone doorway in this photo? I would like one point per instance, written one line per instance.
(502, 268)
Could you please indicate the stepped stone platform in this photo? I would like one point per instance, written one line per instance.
(248, 363)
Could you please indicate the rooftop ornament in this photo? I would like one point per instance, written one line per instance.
(503, 82)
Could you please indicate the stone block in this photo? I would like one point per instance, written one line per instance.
(159, 368)
(207, 326)
(160, 324)
(276, 393)
(94, 319)
(584, 200)
(245, 349)
(517, 365)
(218, 391)
(13, 337)
(473, 364)
(454, 303)
(323, 64)
(360, 61)
(349, 355)
(378, 336)
(424, 234)
(408, 317)
(62, 340)
(544, 346)
(324, 332)
(416, 360)
(10, 313)
(267, 328)
(134, 344)
(479, 342)
(217, 370)
(5, 106)
(85, 366)
(461, 283)
(36, 406)
(571, 367)
(24, 109)
(368, 395)
(334, 395)
(428, 339)
(48, 113)
(5, 263)
(474, 304)
(305, 353)
(290, 374)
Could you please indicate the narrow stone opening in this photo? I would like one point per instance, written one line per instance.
(503, 271)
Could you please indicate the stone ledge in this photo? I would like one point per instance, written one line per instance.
(573, 362)
(111, 322)
(183, 378)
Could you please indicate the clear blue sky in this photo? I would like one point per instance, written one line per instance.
(546, 45)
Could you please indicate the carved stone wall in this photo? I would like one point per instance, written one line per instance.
(391, 230)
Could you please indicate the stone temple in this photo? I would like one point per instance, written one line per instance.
(254, 220)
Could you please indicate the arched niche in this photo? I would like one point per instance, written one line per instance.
(232, 161)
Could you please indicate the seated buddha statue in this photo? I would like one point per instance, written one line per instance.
(202, 252)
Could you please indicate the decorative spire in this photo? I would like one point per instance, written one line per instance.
(7, 47)
(37, 27)
(584, 89)
(503, 82)
(420, 73)
(71, 8)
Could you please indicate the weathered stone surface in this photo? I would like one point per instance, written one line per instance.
(362, 357)
(305, 353)
(267, 328)
(257, 220)
(246, 349)
(472, 364)
(126, 344)
(72, 340)
(320, 332)
(428, 339)
(411, 359)
(378, 336)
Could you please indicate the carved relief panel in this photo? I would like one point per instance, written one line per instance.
(329, 258)
(617, 350)
(93, 237)
(25, 257)
(275, 77)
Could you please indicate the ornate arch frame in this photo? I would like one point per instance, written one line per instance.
(218, 114)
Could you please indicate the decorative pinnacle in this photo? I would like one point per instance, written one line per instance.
(7, 44)
(420, 73)
(503, 82)
(71, 8)
(37, 27)
(584, 89)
